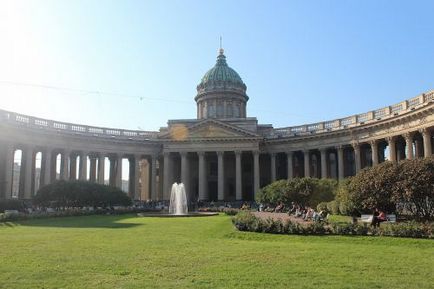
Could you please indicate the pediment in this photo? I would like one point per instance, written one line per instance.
(207, 129)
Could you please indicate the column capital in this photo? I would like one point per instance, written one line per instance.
(323, 150)
(373, 142)
(273, 154)
(424, 131)
(166, 154)
(408, 136)
(200, 153)
(390, 139)
(238, 152)
(183, 154)
(355, 145)
(289, 153)
(220, 153)
(256, 152)
(306, 151)
(339, 147)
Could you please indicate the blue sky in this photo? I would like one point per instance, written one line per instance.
(136, 64)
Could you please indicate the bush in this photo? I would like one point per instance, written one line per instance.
(11, 204)
(409, 183)
(414, 189)
(305, 191)
(333, 207)
(246, 221)
(69, 194)
(407, 229)
(322, 207)
(231, 211)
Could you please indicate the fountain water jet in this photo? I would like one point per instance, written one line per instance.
(178, 200)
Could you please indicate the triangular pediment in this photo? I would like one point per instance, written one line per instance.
(207, 129)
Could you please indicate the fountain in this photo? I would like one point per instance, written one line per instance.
(178, 200)
(178, 206)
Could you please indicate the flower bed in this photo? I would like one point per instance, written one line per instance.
(247, 221)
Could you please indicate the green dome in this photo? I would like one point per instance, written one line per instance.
(221, 72)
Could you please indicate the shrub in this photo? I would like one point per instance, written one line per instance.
(306, 191)
(11, 204)
(333, 207)
(322, 207)
(407, 229)
(246, 221)
(371, 188)
(414, 190)
(80, 194)
(231, 211)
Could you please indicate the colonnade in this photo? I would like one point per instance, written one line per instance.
(208, 175)
(74, 165)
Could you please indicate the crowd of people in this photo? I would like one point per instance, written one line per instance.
(304, 212)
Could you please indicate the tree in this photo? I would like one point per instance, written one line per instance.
(305, 191)
(414, 190)
(372, 188)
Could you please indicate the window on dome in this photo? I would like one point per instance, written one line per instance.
(229, 109)
(211, 110)
(237, 111)
(220, 109)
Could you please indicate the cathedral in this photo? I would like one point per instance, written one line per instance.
(221, 155)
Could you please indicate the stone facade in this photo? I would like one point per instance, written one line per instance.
(221, 155)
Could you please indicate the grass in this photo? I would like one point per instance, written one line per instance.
(131, 252)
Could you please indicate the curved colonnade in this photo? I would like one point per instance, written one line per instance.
(213, 166)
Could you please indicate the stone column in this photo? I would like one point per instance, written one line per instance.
(427, 148)
(220, 176)
(83, 166)
(166, 184)
(273, 166)
(8, 170)
(137, 193)
(238, 177)
(119, 171)
(101, 169)
(418, 148)
(357, 158)
(64, 174)
(392, 148)
(409, 145)
(46, 164)
(92, 175)
(256, 174)
(341, 169)
(184, 171)
(28, 156)
(153, 192)
(202, 177)
(374, 152)
(289, 165)
(323, 152)
(73, 167)
(306, 163)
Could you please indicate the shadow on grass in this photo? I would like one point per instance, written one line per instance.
(96, 221)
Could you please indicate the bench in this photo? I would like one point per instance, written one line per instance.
(368, 218)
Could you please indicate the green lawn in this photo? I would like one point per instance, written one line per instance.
(131, 252)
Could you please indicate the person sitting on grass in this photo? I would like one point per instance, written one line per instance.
(378, 217)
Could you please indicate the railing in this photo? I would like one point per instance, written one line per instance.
(326, 126)
(76, 129)
(356, 120)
